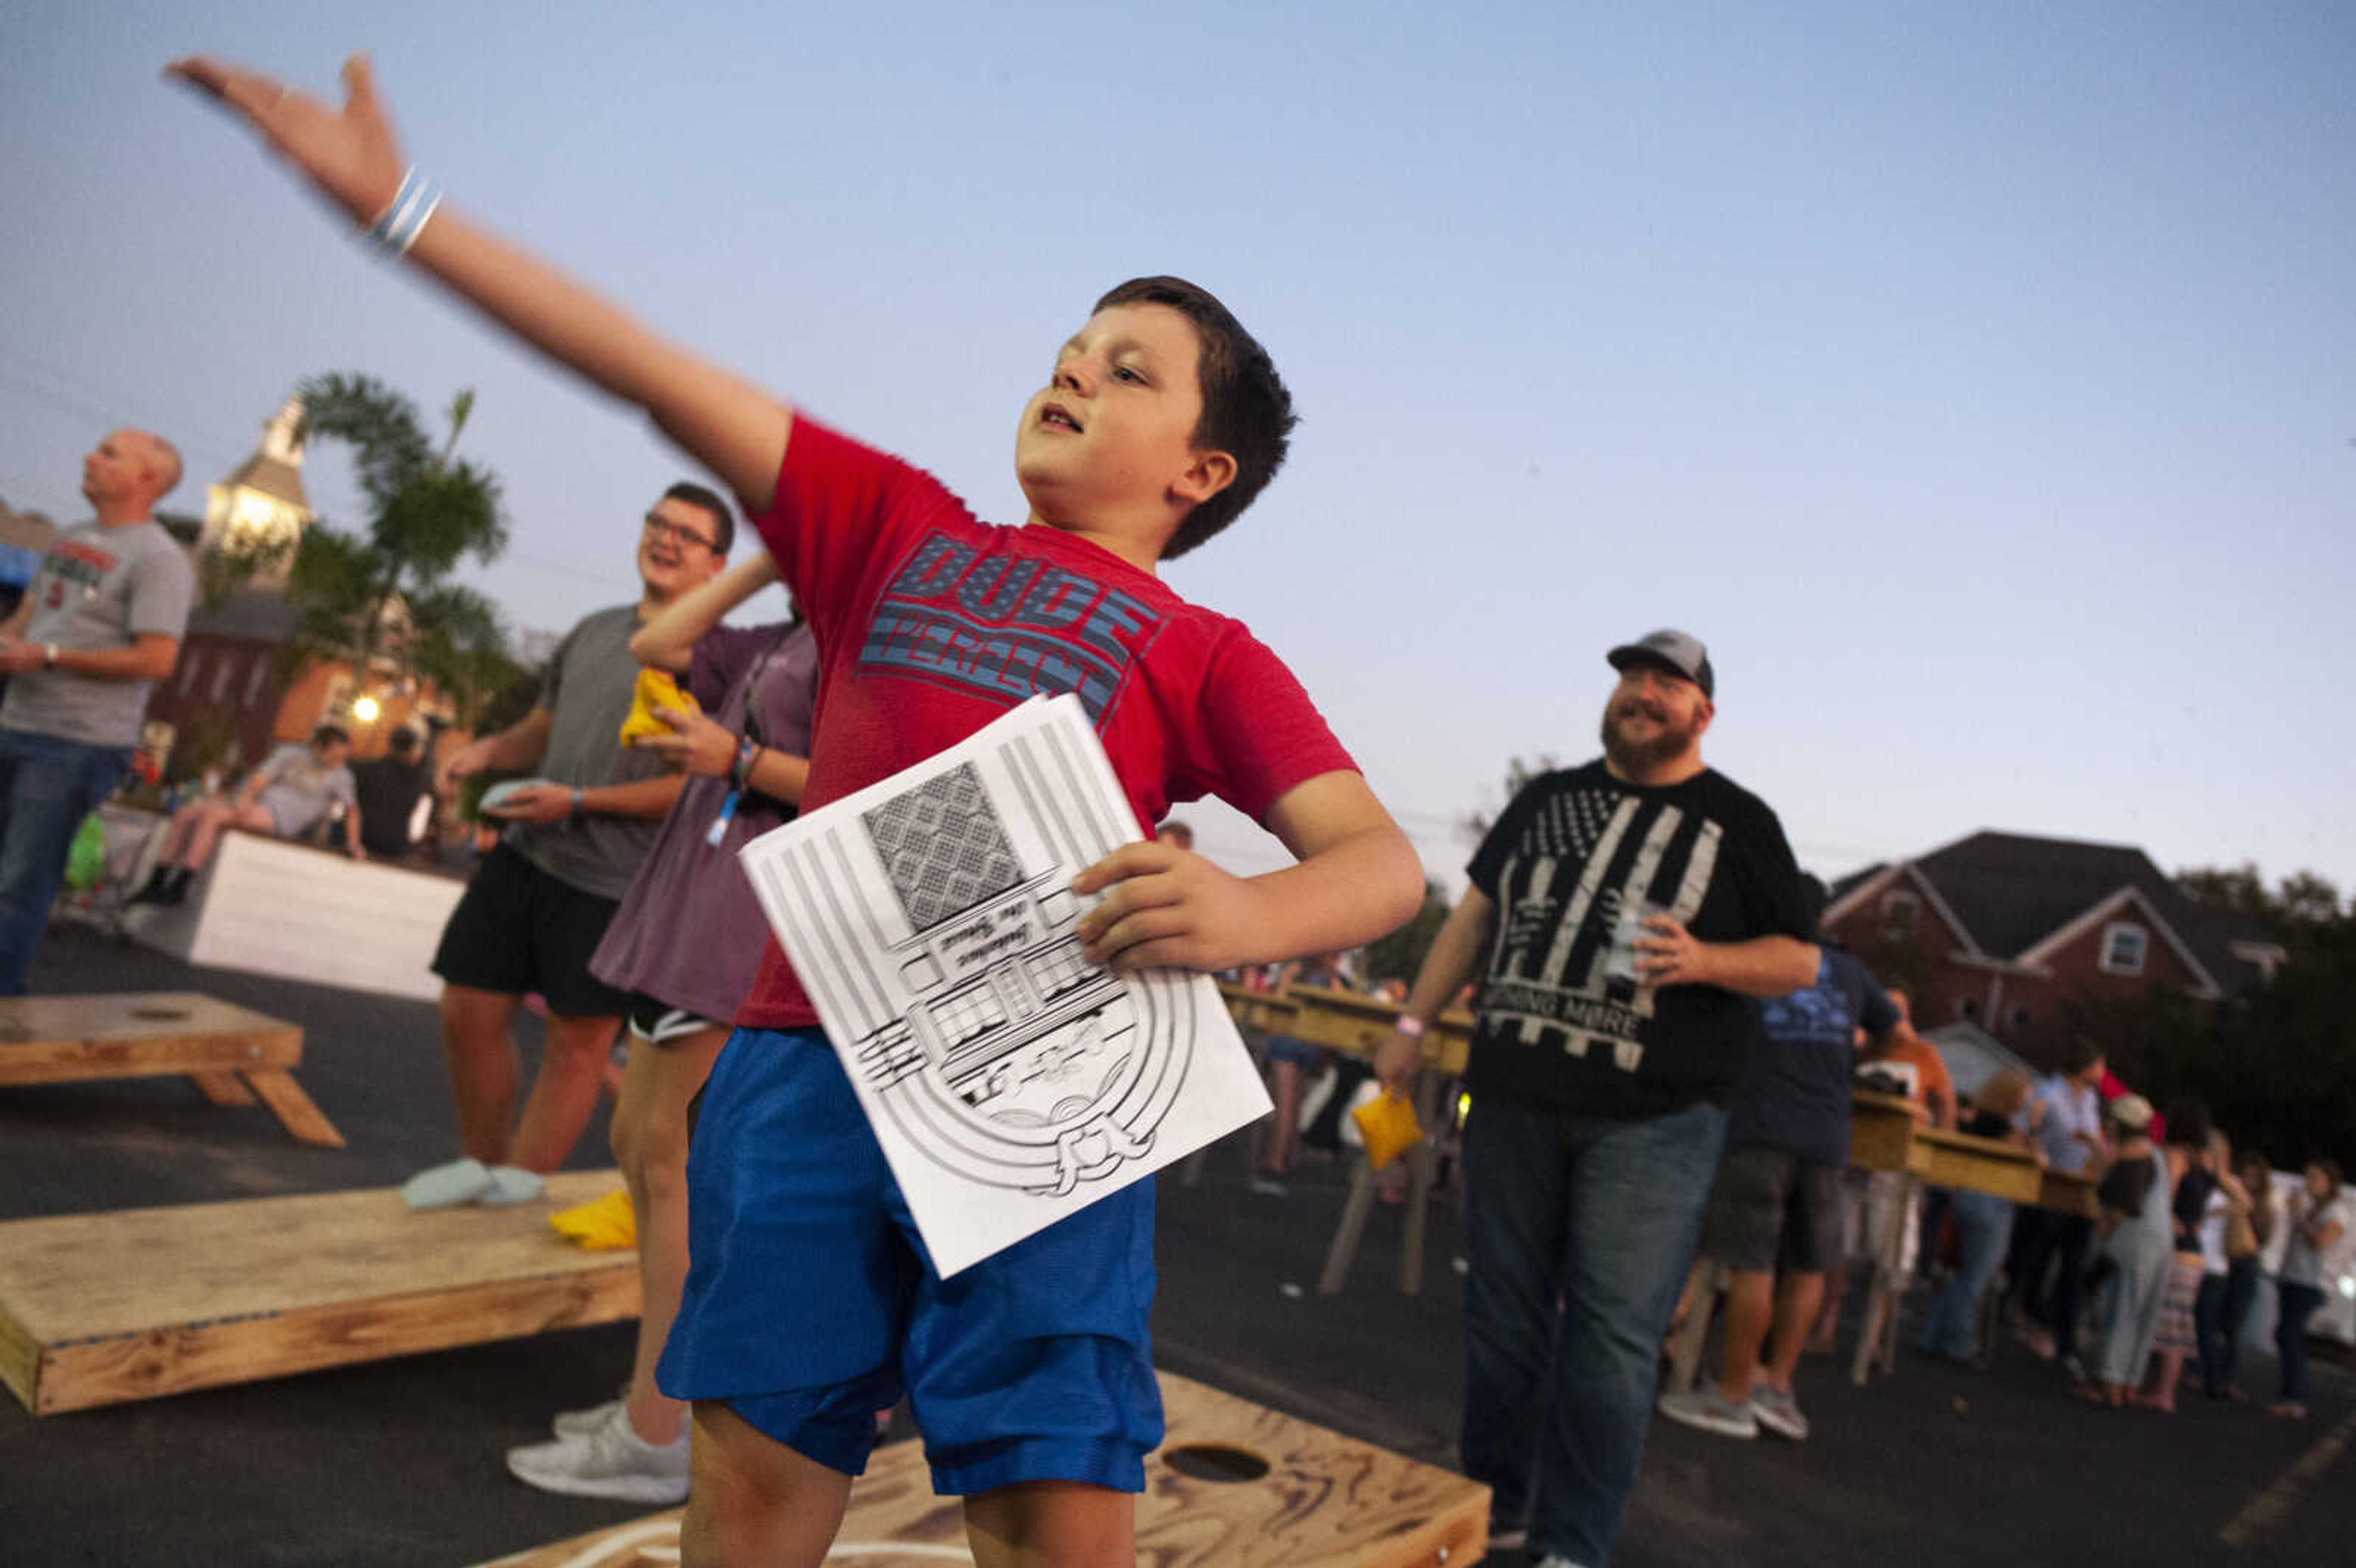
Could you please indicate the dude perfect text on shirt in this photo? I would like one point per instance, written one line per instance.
(1007, 626)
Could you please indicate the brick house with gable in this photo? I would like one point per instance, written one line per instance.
(2034, 940)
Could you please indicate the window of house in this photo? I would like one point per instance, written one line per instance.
(253, 680)
(2123, 949)
(2020, 1018)
(224, 669)
(1900, 910)
(189, 660)
(1967, 1007)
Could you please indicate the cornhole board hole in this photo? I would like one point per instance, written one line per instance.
(231, 1053)
(1233, 1486)
(297, 912)
(103, 1308)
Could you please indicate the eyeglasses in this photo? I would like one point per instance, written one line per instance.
(663, 527)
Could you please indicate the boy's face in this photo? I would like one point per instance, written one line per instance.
(1112, 433)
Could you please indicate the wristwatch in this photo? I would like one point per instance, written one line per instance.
(48, 655)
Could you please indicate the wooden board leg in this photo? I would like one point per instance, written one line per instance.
(1901, 1231)
(1420, 1162)
(1684, 1359)
(1869, 1333)
(294, 1109)
(1344, 1250)
(222, 1088)
(1877, 1340)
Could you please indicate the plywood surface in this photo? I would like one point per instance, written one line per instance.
(1326, 1501)
(1343, 1021)
(1881, 1131)
(2001, 1169)
(95, 1309)
(48, 1039)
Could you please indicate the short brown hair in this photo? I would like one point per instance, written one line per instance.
(723, 521)
(1247, 412)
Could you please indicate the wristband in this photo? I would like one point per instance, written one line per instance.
(48, 655)
(397, 227)
(740, 773)
(579, 795)
(1411, 1028)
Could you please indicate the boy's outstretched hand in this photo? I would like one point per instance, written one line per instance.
(349, 155)
(1167, 908)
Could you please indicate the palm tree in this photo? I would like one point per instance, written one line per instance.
(380, 598)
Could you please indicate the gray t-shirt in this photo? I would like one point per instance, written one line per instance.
(297, 788)
(588, 689)
(99, 587)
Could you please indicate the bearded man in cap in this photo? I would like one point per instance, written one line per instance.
(1620, 916)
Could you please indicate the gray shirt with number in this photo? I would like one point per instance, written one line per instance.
(588, 689)
(99, 587)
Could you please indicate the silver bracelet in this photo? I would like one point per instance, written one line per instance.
(399, 225)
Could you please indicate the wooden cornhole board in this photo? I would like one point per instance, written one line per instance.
(103, 1309)
(231, 1053)
(1325, 1501)
(1355, 1026)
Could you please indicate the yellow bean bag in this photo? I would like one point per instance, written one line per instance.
(602, 1224)
(1389, 1128)
(655, 689)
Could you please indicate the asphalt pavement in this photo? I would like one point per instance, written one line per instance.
(399, 1462)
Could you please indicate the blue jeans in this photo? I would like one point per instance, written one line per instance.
(1578, 1231)
(2297, 1304)
(1985, 1225)
(2240, 1292)
(47, 786)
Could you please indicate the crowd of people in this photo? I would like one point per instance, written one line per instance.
(1664, 1043)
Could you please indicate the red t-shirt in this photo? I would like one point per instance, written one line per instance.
(930, 624)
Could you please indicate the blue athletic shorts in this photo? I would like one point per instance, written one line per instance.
(1284, 1047)
(810, 1303)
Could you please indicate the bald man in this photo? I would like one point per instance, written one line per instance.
(100, 624)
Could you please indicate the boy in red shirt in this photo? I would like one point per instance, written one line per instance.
(810, 1296)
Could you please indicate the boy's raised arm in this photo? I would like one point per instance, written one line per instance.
(732, 426)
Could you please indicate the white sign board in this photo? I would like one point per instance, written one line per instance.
(930, 918)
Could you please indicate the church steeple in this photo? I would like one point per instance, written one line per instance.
(260, 508)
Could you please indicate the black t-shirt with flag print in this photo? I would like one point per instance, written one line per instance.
(1556, 1029)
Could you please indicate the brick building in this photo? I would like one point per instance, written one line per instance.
(2034, 940)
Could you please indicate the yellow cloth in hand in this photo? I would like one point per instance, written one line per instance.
(655, 688)
(1387, 1127)
(602, 1224)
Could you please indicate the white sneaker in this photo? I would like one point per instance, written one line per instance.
(612, 1461)
(581, 1423)
(1710, 1409)
(1779, 1412)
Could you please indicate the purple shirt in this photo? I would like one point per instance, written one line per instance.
(689, 932)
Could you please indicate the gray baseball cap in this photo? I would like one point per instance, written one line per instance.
(1679, 652)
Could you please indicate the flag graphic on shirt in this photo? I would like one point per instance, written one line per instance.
(1582, 858)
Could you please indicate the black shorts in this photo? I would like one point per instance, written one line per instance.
(1769, 1208)
(657, 1022)
(518, 929)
